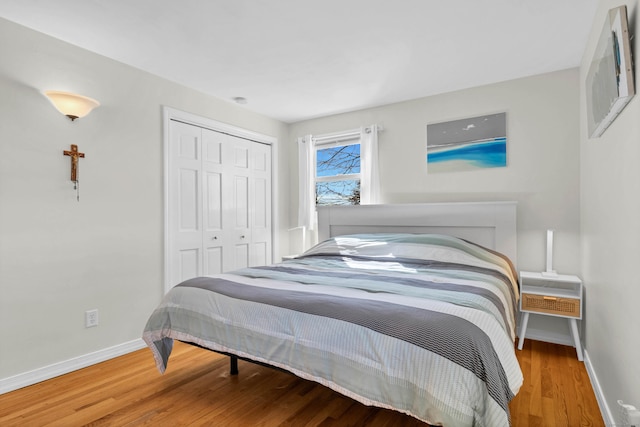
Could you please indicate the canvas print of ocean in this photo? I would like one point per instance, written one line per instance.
(467, 144)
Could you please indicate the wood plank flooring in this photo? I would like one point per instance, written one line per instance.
(556, 392)
(197, 390)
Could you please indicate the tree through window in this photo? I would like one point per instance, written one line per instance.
(338, 174)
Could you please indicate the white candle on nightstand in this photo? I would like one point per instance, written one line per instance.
(550, 271)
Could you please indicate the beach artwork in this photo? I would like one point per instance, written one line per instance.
(467, 144)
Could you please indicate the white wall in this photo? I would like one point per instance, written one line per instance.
(542, 172)
(610, 222)
(60, 257)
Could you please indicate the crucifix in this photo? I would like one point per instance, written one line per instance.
(75, 155)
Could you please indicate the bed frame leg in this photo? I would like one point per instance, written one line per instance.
(233, 365)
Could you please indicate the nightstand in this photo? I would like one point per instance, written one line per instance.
(557, 295)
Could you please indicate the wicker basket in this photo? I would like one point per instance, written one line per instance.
(551, 305)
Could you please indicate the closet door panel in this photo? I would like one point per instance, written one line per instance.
(185, 204)
(241, 202)
(260, 204)
(241, 256)
(189, 264)
(259, 254)
(213, 260)
(240, 153)
(260, 213)
(211, 147)
(188, 191)
(213, 222)
(213, 201)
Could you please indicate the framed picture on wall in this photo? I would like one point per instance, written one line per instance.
(609, 83)
(467, 144)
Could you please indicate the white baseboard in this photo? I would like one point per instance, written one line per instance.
(47, 372)
(607, 416)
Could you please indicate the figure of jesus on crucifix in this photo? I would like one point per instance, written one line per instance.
(74, 154)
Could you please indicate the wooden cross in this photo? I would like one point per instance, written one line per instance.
(74, 154)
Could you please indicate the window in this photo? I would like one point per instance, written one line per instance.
(337, 174)
(337, 169)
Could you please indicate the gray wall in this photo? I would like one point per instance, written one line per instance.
(60, 257)
(610, 213)
(542, 156)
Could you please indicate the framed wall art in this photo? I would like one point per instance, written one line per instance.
(609, 83)
(467, 144)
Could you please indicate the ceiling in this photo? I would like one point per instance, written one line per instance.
(299, 59)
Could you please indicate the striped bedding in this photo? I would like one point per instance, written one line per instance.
(422, 324)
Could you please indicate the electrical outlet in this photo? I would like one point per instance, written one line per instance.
(629, 415)
(91, 318)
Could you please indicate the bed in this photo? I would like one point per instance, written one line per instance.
(406, 307)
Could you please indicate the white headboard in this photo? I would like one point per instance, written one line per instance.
(490, 224)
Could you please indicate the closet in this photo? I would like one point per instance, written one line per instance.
(218, 202)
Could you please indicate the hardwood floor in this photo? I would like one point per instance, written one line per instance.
(197, 390)
(556, 392)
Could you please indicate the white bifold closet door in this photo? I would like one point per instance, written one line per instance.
(219, 202)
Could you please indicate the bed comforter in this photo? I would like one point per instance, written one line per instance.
(422, 324)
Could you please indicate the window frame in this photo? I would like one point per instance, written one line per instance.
(342, 142)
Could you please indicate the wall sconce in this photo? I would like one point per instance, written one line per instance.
(71, 105)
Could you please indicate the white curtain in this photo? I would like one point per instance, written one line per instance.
(370, 182)
(306, 187)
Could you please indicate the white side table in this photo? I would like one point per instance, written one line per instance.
(557, 295)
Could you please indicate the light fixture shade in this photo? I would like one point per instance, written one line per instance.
(70, 104)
